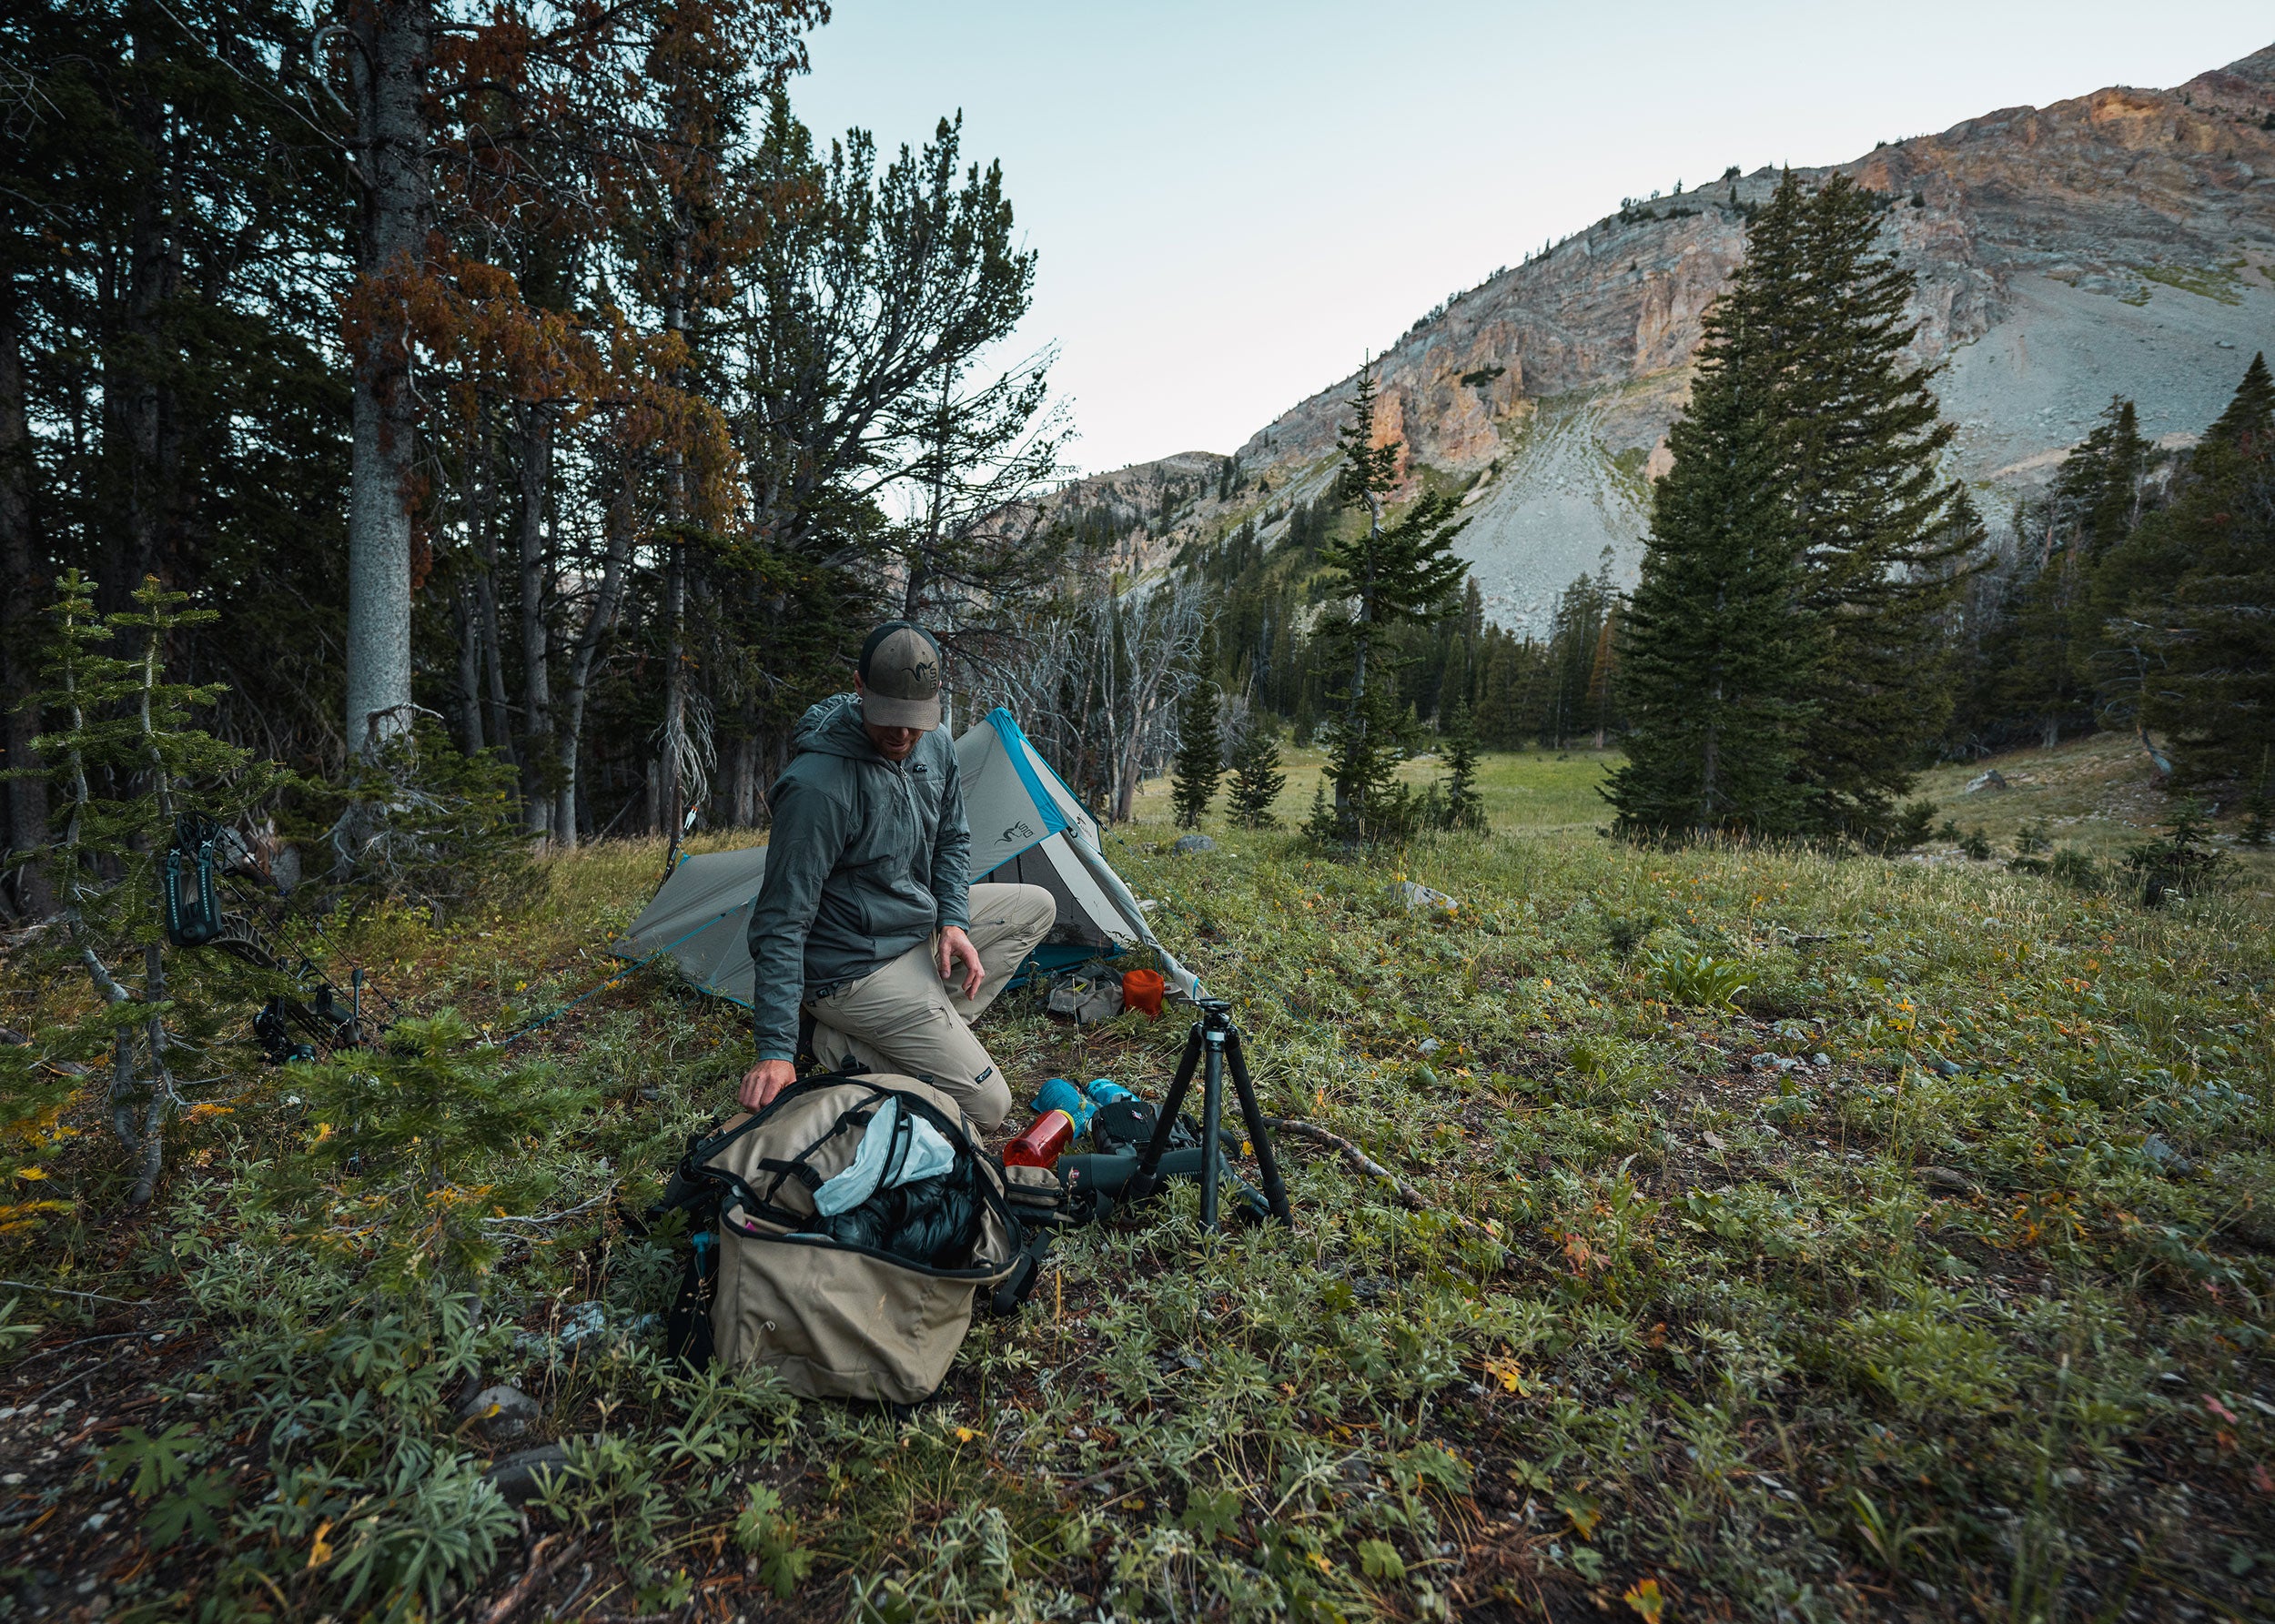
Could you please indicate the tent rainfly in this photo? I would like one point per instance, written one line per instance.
(1027, 826)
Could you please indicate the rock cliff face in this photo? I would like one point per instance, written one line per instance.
(2120, 243)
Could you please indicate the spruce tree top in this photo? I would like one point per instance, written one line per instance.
(1369, 469)
(2250, 415)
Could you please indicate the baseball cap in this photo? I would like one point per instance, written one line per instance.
(900, 677)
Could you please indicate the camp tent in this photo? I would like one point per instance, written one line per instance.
(1027, 826)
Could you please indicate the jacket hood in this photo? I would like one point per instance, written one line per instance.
(832, 728)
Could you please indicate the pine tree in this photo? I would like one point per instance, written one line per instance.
(1859, 437)
(1821, 439)
(1464, 807)
(2044, 645)
(1363, 753)
(1257, 778)
(2250, 411)
(1499, 713)
(125, 762)
(1405, 572)
(1577, 655)
(2215, 696)
(1713, 663)
(1199, 762)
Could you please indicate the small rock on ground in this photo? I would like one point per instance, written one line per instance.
(502, 1412)
(515, 1475)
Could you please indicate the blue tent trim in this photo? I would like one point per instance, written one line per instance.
(1015, 745)
(1047, 960)
(1061, 782)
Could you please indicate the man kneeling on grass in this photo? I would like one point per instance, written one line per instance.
(867, 915)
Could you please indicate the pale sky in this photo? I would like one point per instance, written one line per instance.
(1233, 202)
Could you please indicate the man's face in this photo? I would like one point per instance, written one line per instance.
(894, 744)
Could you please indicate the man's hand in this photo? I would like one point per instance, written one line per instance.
(763, 1081)
(955, 944)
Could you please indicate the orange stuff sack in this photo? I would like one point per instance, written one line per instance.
(1142, 989)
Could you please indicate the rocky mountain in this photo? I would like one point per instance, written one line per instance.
(2120, 243)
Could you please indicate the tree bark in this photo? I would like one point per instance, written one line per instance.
(535, 427)
(142, 439)
(19, 572)
(672, 789)
(390, 52)
(467, 614)
(597, 625)
(465, 604)
(494, 653)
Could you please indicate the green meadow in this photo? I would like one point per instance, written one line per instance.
(1783, 1236)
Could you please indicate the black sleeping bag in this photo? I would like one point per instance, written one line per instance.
(931, 1222)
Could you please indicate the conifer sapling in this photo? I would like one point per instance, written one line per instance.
(1257, 778)
(1199, 762)
(1464, 807)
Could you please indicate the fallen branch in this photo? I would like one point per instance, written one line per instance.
(41, 1353)
(542, 1566)
(1405, 1192)
(57, 1291)
(553, 1217)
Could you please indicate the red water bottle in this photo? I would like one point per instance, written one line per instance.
(1041, 1145)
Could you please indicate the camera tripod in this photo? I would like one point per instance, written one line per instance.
(1213, 1045)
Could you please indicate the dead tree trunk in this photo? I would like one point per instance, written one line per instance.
(670, 784)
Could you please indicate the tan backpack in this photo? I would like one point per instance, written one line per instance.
(839, 1319)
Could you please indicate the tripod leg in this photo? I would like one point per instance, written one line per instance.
(1266, 1163)
(1146, 1179)
(1211, 1148)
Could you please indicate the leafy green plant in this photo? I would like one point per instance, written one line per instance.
(1379, 1560)
(1699, 979)
(1976, 845)
(1889, 1539)
(158, 1471)
(1210, 1514)
(432, 1521)
(764, 1531)
(14, 1331)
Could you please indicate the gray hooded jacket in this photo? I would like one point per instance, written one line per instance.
(867, 859)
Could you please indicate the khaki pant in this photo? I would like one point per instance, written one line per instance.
(902, 1017)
